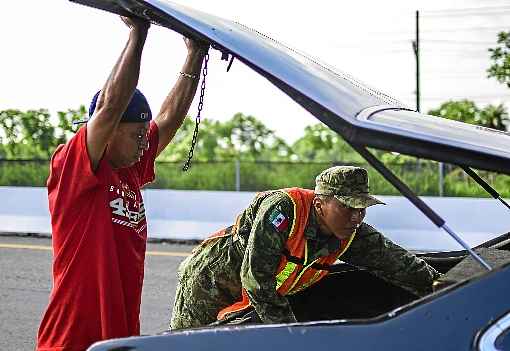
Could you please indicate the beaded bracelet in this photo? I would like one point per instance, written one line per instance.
(187, 75)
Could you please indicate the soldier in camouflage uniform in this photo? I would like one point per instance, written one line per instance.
(246, 256)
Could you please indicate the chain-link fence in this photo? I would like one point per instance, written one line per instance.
(423, 177)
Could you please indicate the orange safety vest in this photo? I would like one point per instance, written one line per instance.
(294, 272)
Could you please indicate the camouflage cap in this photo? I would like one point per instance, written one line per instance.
(348, 184)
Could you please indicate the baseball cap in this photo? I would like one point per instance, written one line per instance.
(138, 109)
(348, 184)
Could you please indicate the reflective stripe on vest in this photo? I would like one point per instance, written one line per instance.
(289, 268)
(285, 274)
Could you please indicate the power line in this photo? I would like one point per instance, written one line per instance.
(474, 54)
(458, 42)
(459, 76)
(466, 97)
(464, 15)
(463, 9)
(399, 43)
(466, 49)
(457, 72)
(482, 30)
(466, 11)
(467, 29)
(371, 42)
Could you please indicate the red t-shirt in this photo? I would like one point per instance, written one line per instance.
(99, 236)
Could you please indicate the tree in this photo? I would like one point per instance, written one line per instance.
(248, 139)
(494, 117)
(466, 111)
(500, 57)
(27, 134)
(32, 134)
(242, 137)
(66, 129)
(207, 142)
(321, 144)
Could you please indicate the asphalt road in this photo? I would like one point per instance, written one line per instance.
(25, 283)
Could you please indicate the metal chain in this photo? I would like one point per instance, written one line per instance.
(187, 164)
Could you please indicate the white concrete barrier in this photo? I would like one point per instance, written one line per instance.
(24, 210)
(177, 214)
(181, 214)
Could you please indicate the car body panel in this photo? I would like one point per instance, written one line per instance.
(335, 98)
(447, 320)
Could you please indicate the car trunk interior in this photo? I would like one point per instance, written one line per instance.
(358, 294)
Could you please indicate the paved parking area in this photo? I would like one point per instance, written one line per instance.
(25, 283)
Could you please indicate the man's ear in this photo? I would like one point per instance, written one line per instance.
(317, 204)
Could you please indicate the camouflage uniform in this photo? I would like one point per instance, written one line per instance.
(212, 277)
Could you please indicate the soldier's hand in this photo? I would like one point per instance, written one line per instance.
(439, 284)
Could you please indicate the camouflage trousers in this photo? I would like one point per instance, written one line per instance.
(209, 280)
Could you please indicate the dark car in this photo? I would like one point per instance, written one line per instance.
(352, 309)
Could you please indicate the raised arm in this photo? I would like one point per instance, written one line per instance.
(117, 91)
(177, 103)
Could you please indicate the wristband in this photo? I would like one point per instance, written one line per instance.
(187, 75)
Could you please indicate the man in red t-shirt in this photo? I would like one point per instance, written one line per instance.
(97, 212)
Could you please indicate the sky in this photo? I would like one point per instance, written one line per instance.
(57, 54)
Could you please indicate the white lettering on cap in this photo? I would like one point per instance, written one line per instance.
(144, 115)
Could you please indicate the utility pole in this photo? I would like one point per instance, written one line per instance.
(416, 49)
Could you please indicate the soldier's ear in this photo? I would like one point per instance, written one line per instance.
(317, 204)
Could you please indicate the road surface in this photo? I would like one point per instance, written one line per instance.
(25, 283)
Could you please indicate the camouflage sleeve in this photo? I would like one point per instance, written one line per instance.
(262, 257)
(371, 250)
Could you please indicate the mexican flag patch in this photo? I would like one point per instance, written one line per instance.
(278, 220)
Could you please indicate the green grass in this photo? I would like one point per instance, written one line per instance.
(24, 173)
(422, 177)
(201, 176)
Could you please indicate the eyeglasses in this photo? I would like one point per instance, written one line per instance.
(142, 139)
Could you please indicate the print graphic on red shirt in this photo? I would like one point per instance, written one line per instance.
(127, 207)
(99, 233)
